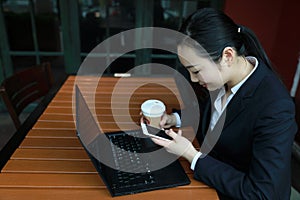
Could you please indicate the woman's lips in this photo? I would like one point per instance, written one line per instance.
(203, 85)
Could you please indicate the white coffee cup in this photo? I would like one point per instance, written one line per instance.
(153, 111)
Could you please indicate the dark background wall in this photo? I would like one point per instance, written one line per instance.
(277, 25)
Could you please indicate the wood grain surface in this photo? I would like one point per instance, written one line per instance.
(51, 163)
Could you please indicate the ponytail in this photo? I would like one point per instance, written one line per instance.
(253, 46)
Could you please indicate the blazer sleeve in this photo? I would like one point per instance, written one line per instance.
(269, 171)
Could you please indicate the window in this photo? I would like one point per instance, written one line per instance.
(61, 31)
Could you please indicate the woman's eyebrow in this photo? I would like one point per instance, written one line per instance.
(189, 66)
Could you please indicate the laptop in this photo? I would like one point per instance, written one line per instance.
(127, 161)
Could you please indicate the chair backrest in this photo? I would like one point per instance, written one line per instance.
(295, 93)
(297, 105)
(25, 87)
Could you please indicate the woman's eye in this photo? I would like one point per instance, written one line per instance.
(196, 72)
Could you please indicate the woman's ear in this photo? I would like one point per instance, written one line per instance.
(227, 56)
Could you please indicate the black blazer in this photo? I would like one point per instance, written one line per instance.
(251, 158)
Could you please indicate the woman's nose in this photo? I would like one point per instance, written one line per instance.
(193, 77)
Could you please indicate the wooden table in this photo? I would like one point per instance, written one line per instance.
(50, 163)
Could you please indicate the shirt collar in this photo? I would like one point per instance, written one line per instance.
(253, 61)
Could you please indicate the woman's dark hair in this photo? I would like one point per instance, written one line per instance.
(214, 31)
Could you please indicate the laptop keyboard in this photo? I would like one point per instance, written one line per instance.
(126, 150)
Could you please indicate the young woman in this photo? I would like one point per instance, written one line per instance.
(252, 110)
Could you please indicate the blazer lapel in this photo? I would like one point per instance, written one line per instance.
(238, 102)
(235, 107)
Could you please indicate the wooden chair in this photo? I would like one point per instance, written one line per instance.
(25, 87)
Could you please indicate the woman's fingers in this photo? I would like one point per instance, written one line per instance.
(160, 142)
(171, 133)
(179, 132)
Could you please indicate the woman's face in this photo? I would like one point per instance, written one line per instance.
(202, 70)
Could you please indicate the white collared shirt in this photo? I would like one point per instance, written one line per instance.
(218, 109)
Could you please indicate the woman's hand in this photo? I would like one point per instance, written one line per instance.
(167, 121)
(179, 145)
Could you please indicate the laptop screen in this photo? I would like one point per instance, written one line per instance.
(86, 125)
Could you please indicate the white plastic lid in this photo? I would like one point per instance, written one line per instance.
(153, 108)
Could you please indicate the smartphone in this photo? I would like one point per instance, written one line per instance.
(160, 134)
